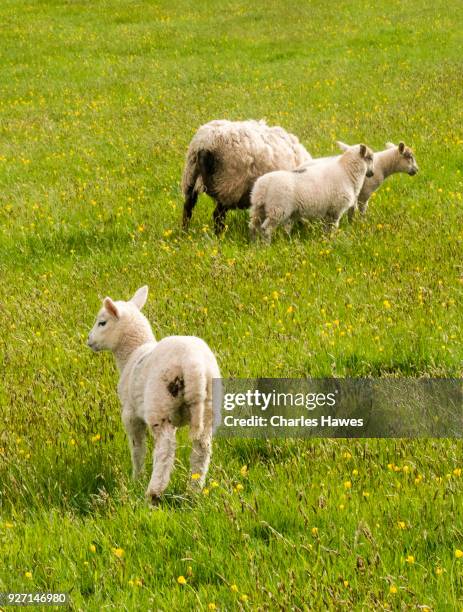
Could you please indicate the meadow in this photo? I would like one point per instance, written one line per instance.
(98, 101)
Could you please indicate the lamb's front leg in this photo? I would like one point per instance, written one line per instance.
(363, 207)
(331, 224)
(163, 459)
(136, 434)
(351, 213)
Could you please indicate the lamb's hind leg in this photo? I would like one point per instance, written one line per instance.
(163, 459)
(267, 228)
(136, 434)
(202, 420)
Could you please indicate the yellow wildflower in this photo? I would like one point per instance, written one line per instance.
(118, 552)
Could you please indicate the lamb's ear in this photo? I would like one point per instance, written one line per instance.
(342, 145)
(390, 145)
(401, 147)
(140, 297)
(363, 150)
(111, 307)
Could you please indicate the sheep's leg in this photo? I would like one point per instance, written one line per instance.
(136, 433)
(363, 206)
(219, 218)
(267, 229)
(202, 443)
(163, 460)
(351, 213)
(254, 226)
(331, 223)
(199, 460)
(288, 226)
(190, 202)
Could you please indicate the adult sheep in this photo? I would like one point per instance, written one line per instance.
(226, 157)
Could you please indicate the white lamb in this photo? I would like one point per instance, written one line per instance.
(163, 385)
(226, 157)
(394, 159)
(325, 190)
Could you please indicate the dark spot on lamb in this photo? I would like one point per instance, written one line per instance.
(300, 170)
(176, 386)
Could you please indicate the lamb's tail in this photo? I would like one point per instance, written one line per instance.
(257, 212)
(199, 166)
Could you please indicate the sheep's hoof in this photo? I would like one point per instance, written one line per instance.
(153, 499)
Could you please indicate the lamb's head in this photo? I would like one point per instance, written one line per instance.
(362, 152)
(120, 322)
(405, 159)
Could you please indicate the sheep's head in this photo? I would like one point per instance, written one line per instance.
(364, 152)
(117, 322)
(406, 161)
(367, 155)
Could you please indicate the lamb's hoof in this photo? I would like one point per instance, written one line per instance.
(153, 499)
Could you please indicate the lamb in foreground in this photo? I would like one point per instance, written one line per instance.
(225, 158)
(324, 190)
(163, 385)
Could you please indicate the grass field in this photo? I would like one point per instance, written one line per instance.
(98, 101)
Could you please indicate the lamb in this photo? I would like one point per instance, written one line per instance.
(324, 190)
(226, 157)
(395, 158)
(163, 385)
(390, 161)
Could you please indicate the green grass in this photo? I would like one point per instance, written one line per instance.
(98, 102)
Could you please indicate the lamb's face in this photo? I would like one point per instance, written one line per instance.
(367, 155)
(106, 332)
(118, 320)
(407, 161)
